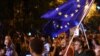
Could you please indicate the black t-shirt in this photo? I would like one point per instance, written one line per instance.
(90, 52)
(80, 54)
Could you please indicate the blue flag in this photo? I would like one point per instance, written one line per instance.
(65, 16)
(66, 11)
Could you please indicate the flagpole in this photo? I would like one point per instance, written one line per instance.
(86, 11)
(85, 36)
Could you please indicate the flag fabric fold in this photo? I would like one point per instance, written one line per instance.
(65, 16)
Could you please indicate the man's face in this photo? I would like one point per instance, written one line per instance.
(77, 46)
(63, 43)
(7, 42)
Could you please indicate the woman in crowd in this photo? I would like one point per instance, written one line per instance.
(10, 48)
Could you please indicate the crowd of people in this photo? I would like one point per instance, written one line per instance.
(41, 45)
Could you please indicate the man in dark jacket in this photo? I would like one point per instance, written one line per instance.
(78, 46)
(36, 47)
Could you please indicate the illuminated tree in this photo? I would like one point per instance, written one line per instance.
(92, 12)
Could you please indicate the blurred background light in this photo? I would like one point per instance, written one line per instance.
(98, 7)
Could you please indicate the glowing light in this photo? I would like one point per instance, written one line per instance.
(72, 14)
(53, 38)
(86, 7)
(78, 0)
(57, 9)
(66, 15)
(57, 26)
(29, 33)
(92, 12)
(68, 23)
(65, 26)
(61, 27)
(76, 10)
(60, 13)
(60, 1)
(51, 3)
(53, 21)
(98, 7)
(78, 5)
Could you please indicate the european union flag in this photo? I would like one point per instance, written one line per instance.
(66, 11)
(65, 16)
(54, 28)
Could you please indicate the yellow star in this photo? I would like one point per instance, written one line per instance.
(59, 13)
(57, 9)
(61, 27)
(78, 5)
(57, 26)
(68, 23)
(76, 10)
(65, 26)
(72, 14)
(66, 15)
(78, 0)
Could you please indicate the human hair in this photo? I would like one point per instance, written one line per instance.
(8, 38)
(80, 41)
(36, 46)
(96, 40)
